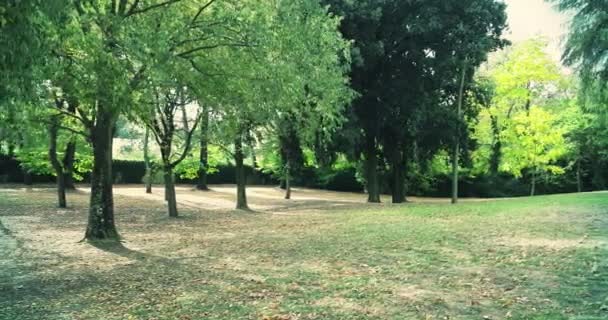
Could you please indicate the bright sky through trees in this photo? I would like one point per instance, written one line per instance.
(531, 18)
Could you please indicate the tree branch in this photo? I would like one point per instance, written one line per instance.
(200, 11)
(133, 8)
(134, 11)
(188, 143)
(213, 46)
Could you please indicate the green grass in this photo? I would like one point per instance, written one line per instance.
(529, 258)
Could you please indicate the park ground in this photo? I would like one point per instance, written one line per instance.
(322, 255)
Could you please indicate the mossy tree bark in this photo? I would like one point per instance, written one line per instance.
(101, 224)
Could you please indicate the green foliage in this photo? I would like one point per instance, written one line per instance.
(533, 141)
(587, 47)
(188, 169)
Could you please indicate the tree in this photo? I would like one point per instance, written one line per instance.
(587, 46)
(167, 99)
(114, 45)
(533, 142)
(204, 150)
(408, 57)
(307, 55)
(522, 76)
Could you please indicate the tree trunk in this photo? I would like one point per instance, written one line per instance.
(70, 151)
(241, 194)
(68, 165)
(148, 175)
(371, 172)
(579, 180)
(496, 147)
(204, 160)
(533, 184)
(398, 190)
(170, 191)
(11, 150)
(27, 178)
(456, 153)
(101, 210)
(287, 182)
(53, 131)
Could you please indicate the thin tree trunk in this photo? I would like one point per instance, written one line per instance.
(68, 165)
(53, 131)
(456, 153)
(533, 184)
(241, 193)
(11, 150)
(287, 182)
(101, 210)
(170, 191)
(203, 156)
(70, 151)
(27, 178)
(398, 191)
(579, 180)
(371, 172)
(496, 147)
(148, 176)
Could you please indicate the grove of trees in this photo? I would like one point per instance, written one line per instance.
(407, 96)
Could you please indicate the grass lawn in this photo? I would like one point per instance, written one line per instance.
(531, 258)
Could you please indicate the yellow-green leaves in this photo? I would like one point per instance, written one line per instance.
(533, 140)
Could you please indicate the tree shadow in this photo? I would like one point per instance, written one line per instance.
(117, 248)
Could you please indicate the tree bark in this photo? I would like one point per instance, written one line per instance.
(204, 153)
(27, 178)
(398, 190)
(170, 191)
(496, 147)
(287, 182)
(533, 184)
(70, 151)
(101, 210)
(53, 132)
(68, 165)
(11, 150)
(371, 171)
(241, 192)
(456, 153)
(148, 175)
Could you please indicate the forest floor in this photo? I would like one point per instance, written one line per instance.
(323, 255)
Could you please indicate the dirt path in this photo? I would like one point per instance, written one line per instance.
(263, 198)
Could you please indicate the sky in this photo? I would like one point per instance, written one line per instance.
(530, 18)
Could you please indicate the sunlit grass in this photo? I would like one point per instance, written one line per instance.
(528, 258)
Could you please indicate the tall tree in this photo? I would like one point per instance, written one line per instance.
(587, 46)
(161, 119)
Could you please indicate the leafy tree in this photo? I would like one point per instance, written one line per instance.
(523, 76)
(587, 46)
(533, 142)
(408, 57)
(160, 118)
